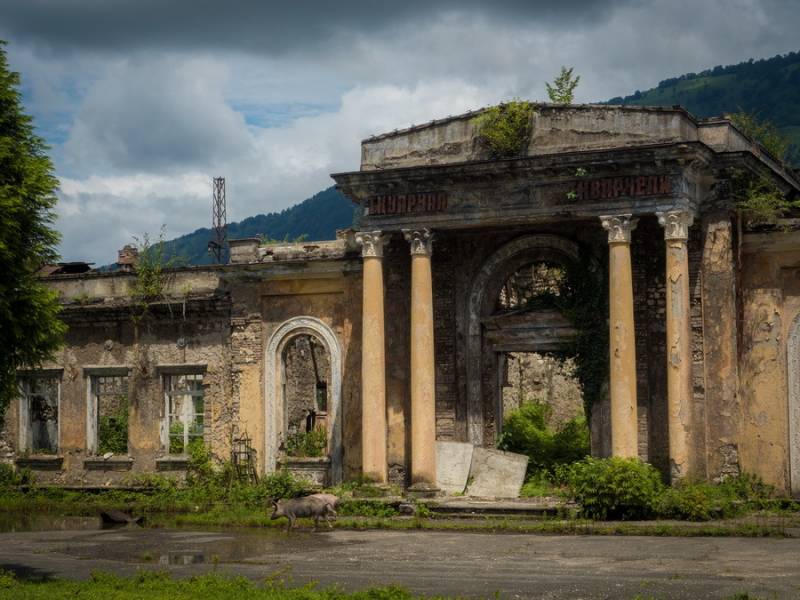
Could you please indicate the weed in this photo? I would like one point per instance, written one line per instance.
(505, 129)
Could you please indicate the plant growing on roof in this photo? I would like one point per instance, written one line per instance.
(505, 129)
(562, 91)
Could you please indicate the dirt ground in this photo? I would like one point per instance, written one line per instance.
(428, 562)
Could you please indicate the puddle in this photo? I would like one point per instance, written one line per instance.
(182, 558)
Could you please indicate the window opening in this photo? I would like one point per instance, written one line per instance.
(110, 397)
(185, 411)
(40, 397)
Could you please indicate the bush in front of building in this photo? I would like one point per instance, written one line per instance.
(615, 488)
(703, 501)
(525, 431)
(11, 477)
(307, 443)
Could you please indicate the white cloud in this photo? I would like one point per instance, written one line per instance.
(156, 114)
(272, 169)
(146, 132)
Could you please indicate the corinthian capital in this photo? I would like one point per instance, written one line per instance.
(371, 242)
(421, 241)
(676, 224)
(619, 227)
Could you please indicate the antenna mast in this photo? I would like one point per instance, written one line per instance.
(219, 220)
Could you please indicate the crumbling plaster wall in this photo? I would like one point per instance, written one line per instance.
(101, 338)
(770, 276)
(219, 320)
(333, 298)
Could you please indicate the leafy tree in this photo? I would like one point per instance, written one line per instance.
(563, 89)
(30, 330)
(762, 131)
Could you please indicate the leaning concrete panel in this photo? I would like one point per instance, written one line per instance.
(496, 474)
(453, 462)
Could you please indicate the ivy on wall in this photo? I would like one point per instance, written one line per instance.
(584, 301)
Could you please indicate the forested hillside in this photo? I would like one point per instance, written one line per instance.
(318, 218)
(768, 88)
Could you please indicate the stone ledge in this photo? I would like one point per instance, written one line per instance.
(315, 469)
(115, 463)
(41, 463)
(172, 463)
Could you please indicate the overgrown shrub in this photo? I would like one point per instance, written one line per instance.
(284, 485)
(307, 443)
(112, 431)
(615, 488)
(505, 129)
(11, 477)
(525, 431)
(703, 501)
(692, 502)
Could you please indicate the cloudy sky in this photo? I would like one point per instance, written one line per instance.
(144, 101)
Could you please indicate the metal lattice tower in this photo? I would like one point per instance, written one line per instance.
(219, 220)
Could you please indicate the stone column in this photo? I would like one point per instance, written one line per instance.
(679, 339)
(373, 360)
(423, 378)
(622, 343)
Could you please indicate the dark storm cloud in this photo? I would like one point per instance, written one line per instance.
(252, 25)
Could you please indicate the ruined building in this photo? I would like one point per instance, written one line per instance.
(409, 322)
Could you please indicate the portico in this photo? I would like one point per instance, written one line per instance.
(431, 187)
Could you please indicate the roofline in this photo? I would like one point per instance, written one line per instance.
(586, 106)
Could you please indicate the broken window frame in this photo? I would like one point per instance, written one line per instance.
(93, 375)
(189, 414)
(25, 433)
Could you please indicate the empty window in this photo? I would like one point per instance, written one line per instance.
(109, 414)
(185, 409)
(39, 413)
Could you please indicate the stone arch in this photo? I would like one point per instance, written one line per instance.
(793, 372)
(273, 382)
(499, 266)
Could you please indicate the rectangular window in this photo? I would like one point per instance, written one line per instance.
(39, 396)
(108, 414)
(185, 410)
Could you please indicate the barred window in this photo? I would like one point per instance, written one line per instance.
(185, 411)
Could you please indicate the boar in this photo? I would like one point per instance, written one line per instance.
(309, 506)
(329, 498)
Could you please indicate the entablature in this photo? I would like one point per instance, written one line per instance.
(538, 189)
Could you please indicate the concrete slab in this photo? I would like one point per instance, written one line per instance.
(453, 462)
(496, 474)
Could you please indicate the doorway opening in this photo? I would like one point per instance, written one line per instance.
(539, 401)
(306, 379)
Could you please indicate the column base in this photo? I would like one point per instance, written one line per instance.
(422, 490)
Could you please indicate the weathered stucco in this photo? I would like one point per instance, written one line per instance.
(770, 305)
(699, 329)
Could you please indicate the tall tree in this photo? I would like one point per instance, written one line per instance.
(562, 91)
(30, 330)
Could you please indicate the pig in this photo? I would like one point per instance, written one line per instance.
(329, 498)
(308, 506)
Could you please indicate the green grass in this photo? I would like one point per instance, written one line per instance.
(161, 586)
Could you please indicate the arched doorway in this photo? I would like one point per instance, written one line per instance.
(514, 319)
(303, 388)
(793, 364)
